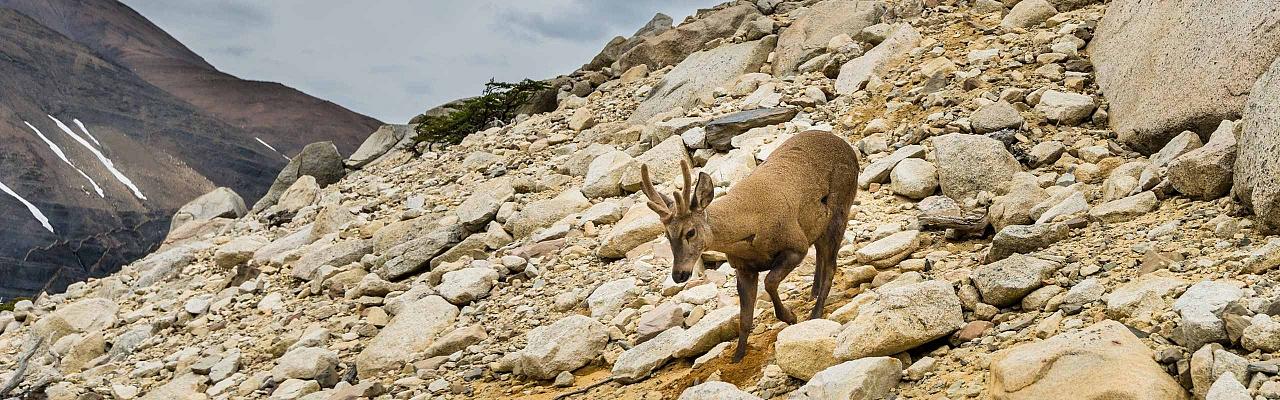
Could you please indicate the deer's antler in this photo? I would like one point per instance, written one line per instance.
(657, 202)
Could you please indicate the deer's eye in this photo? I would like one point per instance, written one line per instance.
(690, 234)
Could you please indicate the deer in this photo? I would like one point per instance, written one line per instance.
(800, 196)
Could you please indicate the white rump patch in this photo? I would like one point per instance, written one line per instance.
(58, 150)
(105, 161)
(30, 207)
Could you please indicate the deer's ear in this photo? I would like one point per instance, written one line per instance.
(704, 192)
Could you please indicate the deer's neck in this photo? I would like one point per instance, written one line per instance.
(725, 230)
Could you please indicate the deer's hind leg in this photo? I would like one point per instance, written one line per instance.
(783, 264)
(825, 265)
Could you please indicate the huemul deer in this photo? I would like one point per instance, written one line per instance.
(799, 197)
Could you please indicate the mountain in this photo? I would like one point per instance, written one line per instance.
(109, 125)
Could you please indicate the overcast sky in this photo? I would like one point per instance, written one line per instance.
(393, 59)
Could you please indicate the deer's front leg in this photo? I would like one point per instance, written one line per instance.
(747, 281)
(783, 263)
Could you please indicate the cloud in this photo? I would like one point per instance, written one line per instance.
(392, 59)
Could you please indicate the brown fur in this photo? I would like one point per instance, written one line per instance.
(799, 197)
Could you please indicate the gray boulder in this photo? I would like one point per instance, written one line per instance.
(1206, 173)
(480, 208)
(1028, 13)
(1150, 62)
(720, 131)
(855, 73)
(1022, 239)
(716, 390)
(219, 203)
(968, 164)
(565, 345)
(670, 46)
(902, 318)
(995, 116)
(808, 34)
(320, 160)
(379, 142)
(1257, 169)
(862, 379)
(411, 331)
(701, 72)
(1005, 282)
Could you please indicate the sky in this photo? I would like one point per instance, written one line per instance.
(393, 59)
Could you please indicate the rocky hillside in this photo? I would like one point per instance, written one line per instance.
(110, 125)
(1057, 203)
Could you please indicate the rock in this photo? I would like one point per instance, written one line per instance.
(863, 379)
(1101, 361)
(238, 251)
(378, 143)
(881, 169)
(995, 116)
(1084, 293)
(1199, 307)
(582, 119)
(658, 320)
(1023, 239)
(1069, 203)
(1263, 334)
(890, 249)
(1066, 108)
(717, 326)
(1126, 209)
(219, 203)
(302, 193)
(333, 254)
(804, 349)
(855, 73)
(1257, 168)
(565, 345)
(1143, 298)
(308, 363)
(1179, 145)
(1149, 104)
(609, 298)
(1005, 282)
(1014, 208)
(1227, 388)
(604, 175)
(412, 330)
(293, 389)
(1046, 153)
(638, 362)
(83, 352)
(662, 45)
(541, 214)
(701, 72)
(715, 390)
(1211, 362)
(416, 254)
(185, 386)
(900, 319)
(84, 316)
(318, 160)
(466, 285)
(809, 33)
(1027, 14)
(482, 205)
(915, 178)
(968, 164)
(721, 131)
(664, 164)
(1206, 172)
(456, 341)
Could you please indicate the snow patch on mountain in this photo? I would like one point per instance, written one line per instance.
(105, 161)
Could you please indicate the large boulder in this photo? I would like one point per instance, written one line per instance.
(84, 316)
(902, 318)
(411, 331)
(1102, 361)
(543, 213)
(720, 131)
(378, 143)
(619, 45)
(480, 208)
(565, 345)
(320, 160)
(1257, 168)
(604, 174)
(1206, 172)
(638, 226)
(219, 203)
(968, 164)
(416, 254)
(330, 254)
(855, 73)
(806, 348)
(1170, 66)
(638, 362)
(670, 46)
(664, 164)
(1005, 282)
(1200, 308)
(701, 72)
(809, 33)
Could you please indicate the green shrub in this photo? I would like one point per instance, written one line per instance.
(8, 304)
(497, 105)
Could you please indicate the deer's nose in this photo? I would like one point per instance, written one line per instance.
(681, 276)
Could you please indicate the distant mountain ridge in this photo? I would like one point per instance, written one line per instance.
(109, 125)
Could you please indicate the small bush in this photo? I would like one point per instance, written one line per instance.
(496, 106)
(7, 305)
